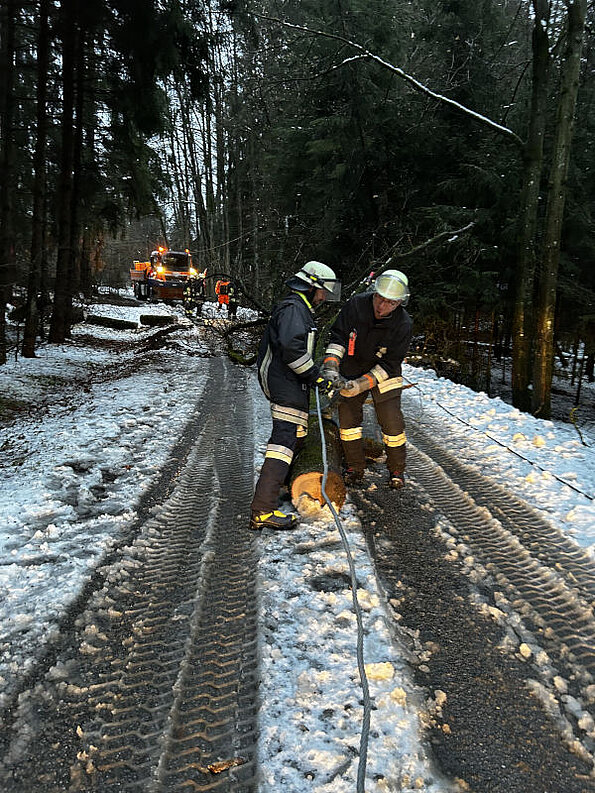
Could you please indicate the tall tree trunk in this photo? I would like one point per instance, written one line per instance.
(59, 327)
(207, 224)
(528, 212)
(193, 158)
(221, 234)
(8, 18)
(78, 212)
(546, 304)
(88, 226)
(39, 186)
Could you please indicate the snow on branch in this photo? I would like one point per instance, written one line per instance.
(399, 72)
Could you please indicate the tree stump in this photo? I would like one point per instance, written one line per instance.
(307, 472)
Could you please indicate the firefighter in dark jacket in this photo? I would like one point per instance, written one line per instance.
(367, 344)
(286, 371)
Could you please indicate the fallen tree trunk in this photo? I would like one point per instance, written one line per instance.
(307, 472)
(237, 356)
(153, 320)
(156, 339)
(111, 322)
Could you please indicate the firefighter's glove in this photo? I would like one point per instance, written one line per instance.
(331, 374)
(324, 385)
(354, 387)
(330, 367)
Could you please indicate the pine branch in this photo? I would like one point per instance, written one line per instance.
(403, 75)
(448, 235)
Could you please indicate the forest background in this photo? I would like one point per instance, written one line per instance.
(452, 139)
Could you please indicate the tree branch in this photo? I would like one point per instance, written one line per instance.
(450, 235)
(403, 75)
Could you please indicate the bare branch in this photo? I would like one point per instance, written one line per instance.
(448, 235)
(364, 278)
(400, 73)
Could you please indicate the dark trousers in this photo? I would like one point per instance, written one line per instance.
(283, 444)
(392, 424)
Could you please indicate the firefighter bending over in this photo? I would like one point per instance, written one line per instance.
(286, 371)
(367, 344)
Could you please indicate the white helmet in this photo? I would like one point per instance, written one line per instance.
(319, 276)
(393, 285)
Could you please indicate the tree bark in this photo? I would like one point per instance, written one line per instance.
(546, 303)
(59, 327)
(78, 209)
(523, 321)
(39, 185)
(307, 472)
(8, 18)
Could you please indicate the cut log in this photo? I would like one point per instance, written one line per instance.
(111, 322)
(152, 320)
(373, 449)
(307, 472)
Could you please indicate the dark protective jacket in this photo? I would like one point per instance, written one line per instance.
(285, 358)
(363, 344)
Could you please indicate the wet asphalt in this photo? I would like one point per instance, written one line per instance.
(491, 734)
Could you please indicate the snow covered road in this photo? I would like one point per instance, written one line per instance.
(85, 478)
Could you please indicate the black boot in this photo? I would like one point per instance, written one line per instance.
(353, 477)
(396, 480)
(272, 520)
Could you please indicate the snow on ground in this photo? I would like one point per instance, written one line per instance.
(543, 462)
(311, 716)
(75, 470)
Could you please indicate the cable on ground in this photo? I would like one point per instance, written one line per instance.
(504, 445)
(363, 747)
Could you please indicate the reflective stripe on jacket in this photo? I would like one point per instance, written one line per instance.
(377, 347)
(285, 358)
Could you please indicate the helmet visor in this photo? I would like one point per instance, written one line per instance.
(333, 291)
(392, 287)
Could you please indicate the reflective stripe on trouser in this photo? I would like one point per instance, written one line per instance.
(392, 424)
(285, 441)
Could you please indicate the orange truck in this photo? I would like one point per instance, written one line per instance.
(164, 276)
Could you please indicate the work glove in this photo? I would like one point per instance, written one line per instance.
(331, 374)
(354, 387)
(330, 368)
(324, 385)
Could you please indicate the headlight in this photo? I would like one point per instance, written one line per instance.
(192, 271)
(160, 268)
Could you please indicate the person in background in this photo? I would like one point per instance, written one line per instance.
(232, 306)
(222, 292)
(367, 344)
(189, 298)
(286, 372)
(194, 294)
(201, 285)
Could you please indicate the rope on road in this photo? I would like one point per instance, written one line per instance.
(363, 747)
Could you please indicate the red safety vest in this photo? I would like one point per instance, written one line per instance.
(221, 290)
